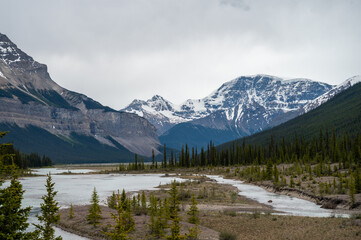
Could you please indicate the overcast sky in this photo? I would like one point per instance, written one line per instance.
(115, 51)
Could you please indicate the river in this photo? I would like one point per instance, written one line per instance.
(286, 204)
(77, 190)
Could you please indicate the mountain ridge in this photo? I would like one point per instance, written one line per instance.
(29, 97)
(242, 106)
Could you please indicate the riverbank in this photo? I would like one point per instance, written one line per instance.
(340, 203)
(223, 211)
(307, 188)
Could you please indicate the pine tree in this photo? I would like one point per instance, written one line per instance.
(153, 158)
(173, 199)
(143, 202)
(175, 228)
(49, 213)
(276, 174)
(357, 181)
(128, 220)
(193, 218)
(135, 162)
(269, 170)
(71, 211)
(173, 209)
(123, 222)
(153, 210)
(352, 191)
(123, 199)
(112, 201)
(193, 211)
(164, 162)
(161, 221)
(94, 210)
(13, 218)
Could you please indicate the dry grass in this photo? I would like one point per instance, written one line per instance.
(252, 226)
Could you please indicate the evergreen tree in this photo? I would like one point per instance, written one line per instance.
(123, 199)
(71, 211)
(112, 201)
(352, 191)
(128, 221)
(193, 218)
(175, 228)
(143, 202)
(357, 181)
(135, 162)
(193, 211)
(276, 174)
(124, 222)
(161, 221)
(173, 209)
(94, 210)
(13, 218)
(49, 213)
(164, 162)
(153, 158)
(153, 211)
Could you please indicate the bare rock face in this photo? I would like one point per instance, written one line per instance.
(28, 96)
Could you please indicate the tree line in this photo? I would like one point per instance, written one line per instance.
(23, 160)
(327, 148)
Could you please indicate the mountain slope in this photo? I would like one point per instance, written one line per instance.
(29, 97)
(240, 107)
(341, 113)
(330, 94)
(74, 148)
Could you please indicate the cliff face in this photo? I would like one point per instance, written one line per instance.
(28, 96)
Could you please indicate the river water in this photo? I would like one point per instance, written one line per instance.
(77, 190)
(286, 204)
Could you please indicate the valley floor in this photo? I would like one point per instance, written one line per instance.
(223, 211)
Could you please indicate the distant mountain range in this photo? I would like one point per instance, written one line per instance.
(241, 107)
(65, 125)
(70, 127)
(338, 112)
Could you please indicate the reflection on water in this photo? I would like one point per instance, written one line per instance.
(288, 205)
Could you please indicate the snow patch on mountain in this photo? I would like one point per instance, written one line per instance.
(9, 53)
(330, 94)
(2, 75)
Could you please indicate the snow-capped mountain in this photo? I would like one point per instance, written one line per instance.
(158, 111)
(29, 97)
(330, 94)
(244, 106)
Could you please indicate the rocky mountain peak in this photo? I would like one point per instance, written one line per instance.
(267, 97)
(10, 53)
(28, 96)
(22, 71)
(160, 104)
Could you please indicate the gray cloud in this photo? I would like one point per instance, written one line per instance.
(115, 51)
